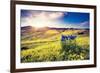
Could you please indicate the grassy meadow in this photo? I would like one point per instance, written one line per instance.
(45, 44)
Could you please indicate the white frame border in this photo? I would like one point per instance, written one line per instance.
(52, 64)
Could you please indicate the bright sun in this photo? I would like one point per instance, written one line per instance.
(41, 22)
(42, 19)
(38, 22)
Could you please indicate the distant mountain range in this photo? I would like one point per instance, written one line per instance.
(53, 28)
(26, 27)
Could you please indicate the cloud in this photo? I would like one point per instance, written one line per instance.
(56, 15)
(49, 19)
(46, 15)
(42, 18)
(85, 24)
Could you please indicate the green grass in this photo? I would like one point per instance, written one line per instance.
(51, 48)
